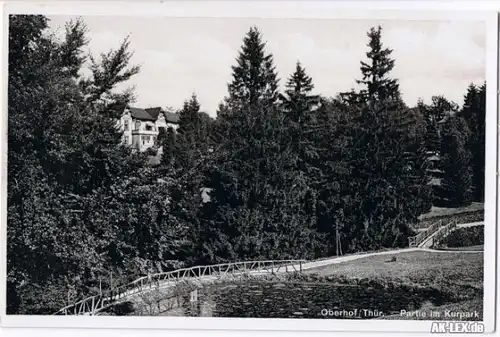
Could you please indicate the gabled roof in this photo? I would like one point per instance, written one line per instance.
(142, 114)
(154, 112)
(171, 117)
(151, 114)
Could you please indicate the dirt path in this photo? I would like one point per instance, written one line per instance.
(342, 259)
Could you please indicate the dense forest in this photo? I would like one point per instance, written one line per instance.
(289, 174)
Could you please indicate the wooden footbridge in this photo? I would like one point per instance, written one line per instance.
(433, 234)
(436, 229)
(93, 304)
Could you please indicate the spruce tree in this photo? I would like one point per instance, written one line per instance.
(457, 181)
(433, 140)
(254, 76)
(299, 107)
(191, 166)
(471, 103)
(474, 113)
(193, 136)
(257, 195)
(377, 84)
(254, 82)
(168, 141)
(432, 135)
(332, 179)
(386, 161)
(189, 119)
(257, 207)
(297, 100)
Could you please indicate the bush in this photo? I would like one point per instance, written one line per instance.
(151, 151)
(465, 237)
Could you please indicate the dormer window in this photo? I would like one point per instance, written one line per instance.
(149, 128)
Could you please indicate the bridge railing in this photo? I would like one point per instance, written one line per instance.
(414, 241)
(443, 232)
(93, 304)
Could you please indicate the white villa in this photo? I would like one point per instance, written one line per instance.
(142, 126)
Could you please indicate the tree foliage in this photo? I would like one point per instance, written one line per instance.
(275, 176)
(68, 172)
(376, 82)
(254, 76)
(474, 113)
(457, 181)
(386, 158)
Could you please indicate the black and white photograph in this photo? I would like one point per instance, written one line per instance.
(332, 169)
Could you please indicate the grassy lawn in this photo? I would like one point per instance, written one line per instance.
(458, 277)
(471, 213)
(477, 248)
(411, 266)
(442, 211)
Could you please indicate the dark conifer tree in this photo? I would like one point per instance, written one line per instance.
(471, 104)
(479, 152)
(474, 113)
(254, 76)
(257, 198)
(432, 139)
(432, 135)
(298, 100)
(299, 107)
(168, 141)
(387, 160)
(254, 82)
(457, 181)
(376, 81)
(257, 207)
(189, 116)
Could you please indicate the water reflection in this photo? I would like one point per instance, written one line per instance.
(295, 300)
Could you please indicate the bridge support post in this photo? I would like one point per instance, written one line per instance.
(193, 296)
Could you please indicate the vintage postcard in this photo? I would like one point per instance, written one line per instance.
(314, 166)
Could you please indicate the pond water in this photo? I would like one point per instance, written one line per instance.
(296, 300)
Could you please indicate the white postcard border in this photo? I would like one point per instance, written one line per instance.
(271, 9)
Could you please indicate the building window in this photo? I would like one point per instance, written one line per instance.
(126, 125)
(149, 128)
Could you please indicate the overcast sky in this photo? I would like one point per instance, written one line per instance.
(180, 56)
